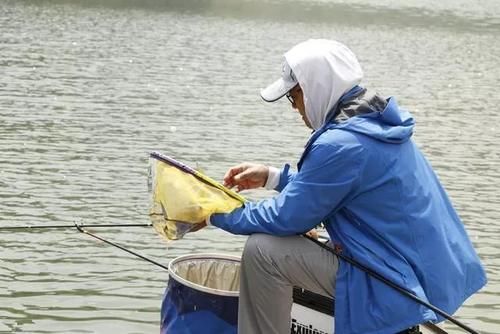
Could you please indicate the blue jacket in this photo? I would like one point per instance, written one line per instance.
(383, 205)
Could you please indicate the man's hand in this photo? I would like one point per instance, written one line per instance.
(198, 226)
(313, 234)
(246, 176)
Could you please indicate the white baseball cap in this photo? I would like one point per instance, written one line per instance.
(280, 87)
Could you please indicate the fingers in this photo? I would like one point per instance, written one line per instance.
(244, 185)
(229, 177)
(246, 176)
(313, 234)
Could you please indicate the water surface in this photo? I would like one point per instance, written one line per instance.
(88, 88)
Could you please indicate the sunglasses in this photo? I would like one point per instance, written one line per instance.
(290, 97)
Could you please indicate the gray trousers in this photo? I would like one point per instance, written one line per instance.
(270, 268)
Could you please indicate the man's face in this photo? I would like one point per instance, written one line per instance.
(296, 97)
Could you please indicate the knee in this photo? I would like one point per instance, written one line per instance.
(256, 247)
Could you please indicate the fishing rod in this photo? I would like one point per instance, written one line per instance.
(351, 261)
(31, 227)
(392, 285)
(84, 231)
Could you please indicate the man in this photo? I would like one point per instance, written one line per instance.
(363, 177)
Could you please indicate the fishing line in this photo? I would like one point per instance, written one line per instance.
(392, 285)
(82, 230)
(29, 227)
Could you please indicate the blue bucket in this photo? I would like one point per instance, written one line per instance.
(202, 295)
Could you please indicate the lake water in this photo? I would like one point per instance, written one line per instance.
(88, 88)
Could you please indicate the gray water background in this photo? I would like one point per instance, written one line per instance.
(88, 88)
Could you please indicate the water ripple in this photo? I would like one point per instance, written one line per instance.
(87, 90)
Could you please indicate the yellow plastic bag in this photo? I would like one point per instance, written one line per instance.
(182, 197)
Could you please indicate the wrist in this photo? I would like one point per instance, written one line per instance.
(273, 178)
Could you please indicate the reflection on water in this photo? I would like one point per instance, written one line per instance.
(454, 15)
(88, 89)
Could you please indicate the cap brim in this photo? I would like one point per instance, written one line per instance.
(276, 90)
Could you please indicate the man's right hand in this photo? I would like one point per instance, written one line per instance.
(246, 176)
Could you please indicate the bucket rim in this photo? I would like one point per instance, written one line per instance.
(202, 256)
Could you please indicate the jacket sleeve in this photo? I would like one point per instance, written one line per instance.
(328, 176)
(286, 176)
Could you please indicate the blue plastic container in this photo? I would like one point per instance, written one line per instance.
(202, 295)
